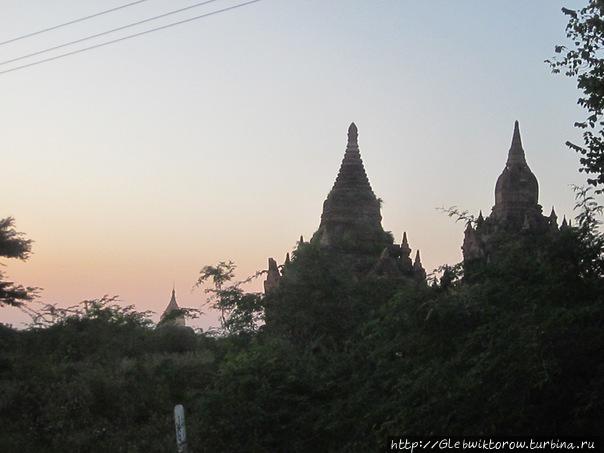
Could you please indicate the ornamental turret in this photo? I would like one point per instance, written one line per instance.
(406, 263)
(553, 220)
(419, 272)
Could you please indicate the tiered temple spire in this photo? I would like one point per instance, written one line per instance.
(516, 153)
(351, 206)
(516, 210)
(351, 228)
(517, 189)
(352, 172)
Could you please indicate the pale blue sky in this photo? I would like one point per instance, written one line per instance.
(134, 165)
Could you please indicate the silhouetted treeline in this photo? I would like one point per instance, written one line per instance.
(342, 362)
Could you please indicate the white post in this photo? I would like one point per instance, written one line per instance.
(181, 433)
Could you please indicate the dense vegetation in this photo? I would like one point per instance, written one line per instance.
(341, 363)
(13, 245)
(582, 59)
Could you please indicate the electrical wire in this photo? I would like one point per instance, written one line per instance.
(96, 46)
(97, 35)
(75, 21)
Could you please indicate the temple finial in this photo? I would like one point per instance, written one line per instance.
(418, 260)
(179, 318)
(516, 138)
(516, 153)
(353, 134)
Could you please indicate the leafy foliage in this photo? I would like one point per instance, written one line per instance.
(240, 312)
(14, 245)
(590, 240)
(584, 60)
(459, 215)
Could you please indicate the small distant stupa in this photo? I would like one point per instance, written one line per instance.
(175, 319)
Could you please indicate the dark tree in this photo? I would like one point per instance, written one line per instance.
(584, 60)
(13, 245)
(240, 312)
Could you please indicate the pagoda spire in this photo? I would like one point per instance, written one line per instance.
(351, 218)
(352, 172)
(172, 305)
(166, 317)
(516, 152)
(353, 135)
(517, 189)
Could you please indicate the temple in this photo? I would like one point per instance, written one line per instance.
(173, 315)
(516, 210)
(351, 227)
(351, 213)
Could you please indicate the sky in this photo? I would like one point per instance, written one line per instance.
(134, 165)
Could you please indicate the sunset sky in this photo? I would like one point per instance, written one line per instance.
(133, 165)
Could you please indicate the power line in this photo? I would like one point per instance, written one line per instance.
(75, 21)
(96, 46)
(96, 35)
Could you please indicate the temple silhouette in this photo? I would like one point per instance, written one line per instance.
(516, 212)
(351, 222)
(351, 227)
